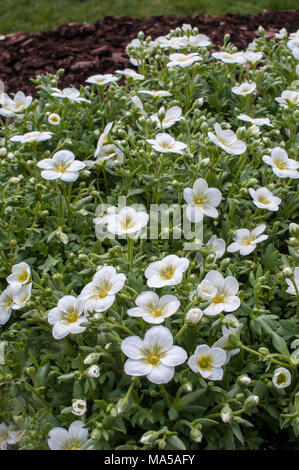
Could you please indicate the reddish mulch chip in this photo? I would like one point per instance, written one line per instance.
(84, 50)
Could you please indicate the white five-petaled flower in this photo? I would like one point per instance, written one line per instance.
(79, 407)
(282, 165)
(183, 60)
(127, 221)
(227, 140)
(217, 245)
(293, 45)
(72, 439)
(69, 93)
(130, 73)
(20, 275)
(93, 371)
(208, 362)
(108, 155)
(9, 437)
(227, 58)
(167, 272)
(246, 240)
(99, 294)
(13, 298)
(156, 93)
(138, 105)
(172, 115)
(61, 166)
(244, 89)
(164, 143)
(223, 342)
(201, 200)
(54, 119)
(264, 199)
(291, 289)
(101, 79)
(253, 57)
(29, 137)
(199, 40)
(281, 378)
(67, 317)
(154, 309)
(15, 107)
(255, 121)
(288, 99)
(154, 356)
(221, 292)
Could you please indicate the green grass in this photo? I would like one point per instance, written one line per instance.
(36, 15)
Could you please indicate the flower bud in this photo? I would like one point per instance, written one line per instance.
(226, 414)
(251, 401)
(244, 380)
(196, 435)
(194, 315)
(148, 438)
(91, 358)
(287, 272)
(93, 371)
(3, 152)
(264, 351)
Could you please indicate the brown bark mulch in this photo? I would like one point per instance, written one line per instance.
(84, 50)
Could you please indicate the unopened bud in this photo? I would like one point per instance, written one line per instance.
(194, 315)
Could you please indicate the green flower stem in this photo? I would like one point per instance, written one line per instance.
(166, 396)
(252, 351)
(38, 396)
(67, 197)
(180, 332)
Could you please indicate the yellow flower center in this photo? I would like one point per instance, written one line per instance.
(153, 359)
(198, 201)
(127, 223)
(281, 379)
(70, 316)
(23, 276)
(263, 200)
(167, 272)
(153, 354)
(104, 290)
(9, 301)
(280, 164)
(218, 299)
(205, 362)
(156, 312)
(223, 141)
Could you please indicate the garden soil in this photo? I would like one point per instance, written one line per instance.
(89, 49)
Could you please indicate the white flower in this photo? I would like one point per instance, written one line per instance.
(291, 289)
(167, 272)
(244, 89)
(93, 371)
(67, 317)
(246, 240)
(99, 294)
(61, 166)
(245, 380)
(54, 119)
(21, 296)
(255, 121)
(154, 356)
(253, 57)
(7, 303)
(282, 34)
(127, 221)
(154, 309)
(103, 138)
(183, 60)
(206, 290)
(29, 137)
(9, 437)
(101, 79)
(108, 154)
(164, 143)
(79, 407)
(293, 45)
(12, 108)
(217, 245)
(130, 74)
(172, 115)
(73, 439)
(222, 292)
(227, 58)
(20, 275)
(281, 378)
(208, 361)
(223, 342)
(194, 315)
(70, 93)
(282, 166)
(288, 99)
(199, 40)
(101, 219)
(227, 140)
(264, 199)
(201, 200)
(294, 35)
(156, 94)
(138, 105)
